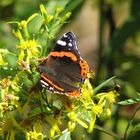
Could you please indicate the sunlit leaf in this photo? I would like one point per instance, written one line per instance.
(73, 5)
(65, 136)
(129, 101)
(103, 84)
(32, 17)
(135, 129)
(38, 110)
(35, 111)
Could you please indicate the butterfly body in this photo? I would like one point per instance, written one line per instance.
(64, 69)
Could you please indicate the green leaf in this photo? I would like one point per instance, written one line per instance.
(103, 84)
(6, 2)
(138, 94)
(58, 104)
(129, 101)
(65, 136)
(72, 5)
(8, 71)
(135, 7)
(130, 27)
(35, 112)
(11, 135)
(135, 129)
(38, 110)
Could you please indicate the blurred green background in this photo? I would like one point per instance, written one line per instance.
(108, 37)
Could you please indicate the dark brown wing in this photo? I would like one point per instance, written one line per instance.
(63, 72)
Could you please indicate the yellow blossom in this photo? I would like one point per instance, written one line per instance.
(92, 122)
(30, 44)
(18, 35)
(36, 134)
(111, 97)
(28, 50)
(46, 17)
(72, 122)
(54, 129)
(71, 126)
(97, 109)
(107, 100)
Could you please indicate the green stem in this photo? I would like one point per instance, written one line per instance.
(110, 50)
(130, 122)
(26, 33)
(11, 53)
(17, 125)
(41, 102)
(101, 46)
(107, 132)
(46, 47)
(45, 50)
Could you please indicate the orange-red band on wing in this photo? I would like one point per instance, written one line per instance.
(84, 68)
(51, 83)
(75, 93)
(62, 54)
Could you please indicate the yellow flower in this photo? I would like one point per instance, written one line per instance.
(111, 97)
(97, 109)
(53, 130)
(46, 17)
(36, 134)
(28, 50)
(107, 100)
(28, 44)
(67, 15)
(92, 122)
(72, 122)
(71, 126)
(6, 82)
(18, 35)
(110, 100)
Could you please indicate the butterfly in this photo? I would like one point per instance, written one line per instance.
(64, 70)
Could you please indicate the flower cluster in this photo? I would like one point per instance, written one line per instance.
(88, 107)
(36, 133)
(9, 101)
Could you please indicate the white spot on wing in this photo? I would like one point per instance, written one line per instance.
(60, 42)
(70, 44)
(76, 46)
(44, 83)
(43, 86)
(65, 35)
(51, 88)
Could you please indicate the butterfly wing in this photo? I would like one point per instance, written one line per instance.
(66, 47)
(62, 70)
(63, 73)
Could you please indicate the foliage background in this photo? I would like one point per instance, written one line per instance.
(108, 35)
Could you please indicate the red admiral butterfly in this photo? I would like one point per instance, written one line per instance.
(64, 69)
